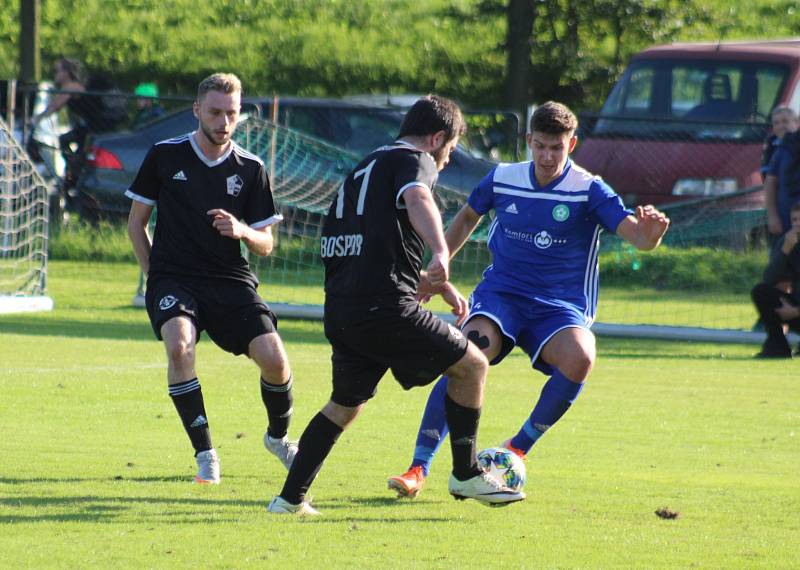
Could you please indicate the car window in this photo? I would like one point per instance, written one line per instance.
(697, 98)
(358, 130)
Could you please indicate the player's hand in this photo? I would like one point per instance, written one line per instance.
(790, 240)
(654, 223)
(227, 224)
(457, 301)
(787, 311)
(423, 298)
(439, 269)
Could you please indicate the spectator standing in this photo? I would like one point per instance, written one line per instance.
(784, 120)
(782, 181)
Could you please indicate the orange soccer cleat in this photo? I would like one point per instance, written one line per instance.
(409, 484)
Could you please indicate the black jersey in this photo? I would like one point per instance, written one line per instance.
(177, 178)
(368, 244)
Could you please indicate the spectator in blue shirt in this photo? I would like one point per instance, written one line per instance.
(784, 120)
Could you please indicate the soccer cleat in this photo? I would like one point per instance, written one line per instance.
(207, 468)
(409, 484)
(485, 489)
(282, 448)
(280, 506)
(519, 452)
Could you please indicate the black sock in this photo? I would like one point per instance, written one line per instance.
(314, 446)
(188, 399)
(278, 401)
(463, 423)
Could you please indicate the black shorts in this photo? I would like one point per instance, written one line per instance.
(232, 313)
(370, 338)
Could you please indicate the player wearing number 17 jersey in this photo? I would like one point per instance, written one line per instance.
(373, 240)
(540, 292)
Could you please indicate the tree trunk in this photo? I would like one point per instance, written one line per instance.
(521, 15)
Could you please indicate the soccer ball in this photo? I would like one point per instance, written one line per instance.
(504, 465)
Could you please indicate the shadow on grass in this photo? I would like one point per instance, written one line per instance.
(38, 326)
(77, 329)
(95, 509)
(108, 509)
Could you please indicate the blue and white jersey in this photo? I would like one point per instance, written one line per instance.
(545, 240)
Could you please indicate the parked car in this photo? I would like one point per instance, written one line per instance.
(114, 159)
(688, 120)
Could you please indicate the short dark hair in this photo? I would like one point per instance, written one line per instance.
(223, 82)
(795, 207)
(554, 119)
(432, 114)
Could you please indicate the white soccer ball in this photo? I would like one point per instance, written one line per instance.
(504, 465)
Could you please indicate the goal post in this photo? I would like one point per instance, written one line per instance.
(24, 222)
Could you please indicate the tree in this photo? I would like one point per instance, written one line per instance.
(520, 17)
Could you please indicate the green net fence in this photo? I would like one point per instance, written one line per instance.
(700, 278)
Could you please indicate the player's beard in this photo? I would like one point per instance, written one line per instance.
(212, 137)
(439, 157)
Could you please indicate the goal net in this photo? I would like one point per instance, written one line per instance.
(696, 286)
(23, 230)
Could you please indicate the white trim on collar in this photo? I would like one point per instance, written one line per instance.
(201, 156)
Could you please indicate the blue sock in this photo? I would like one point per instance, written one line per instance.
(432, 429)
(557, 396)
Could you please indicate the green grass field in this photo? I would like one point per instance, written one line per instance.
(96, 469)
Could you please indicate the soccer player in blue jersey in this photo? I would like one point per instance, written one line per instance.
(540, 292)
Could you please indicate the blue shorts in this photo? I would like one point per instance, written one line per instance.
(527, 323)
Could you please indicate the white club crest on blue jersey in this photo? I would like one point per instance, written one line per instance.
(235, 184)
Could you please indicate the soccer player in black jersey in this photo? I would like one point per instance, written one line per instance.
(373, 240)
(211, 195)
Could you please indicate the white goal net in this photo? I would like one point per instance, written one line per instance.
(23, 230)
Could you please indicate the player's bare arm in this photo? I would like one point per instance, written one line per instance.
(427, 221)
(774, 224)
(138, 218)
(258, 241)
(462, 226)
(645, 229)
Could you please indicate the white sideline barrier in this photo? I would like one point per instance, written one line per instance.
(314, 313)
(21, 304)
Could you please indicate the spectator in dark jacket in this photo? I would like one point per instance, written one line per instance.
(776, 305)
(784, 120)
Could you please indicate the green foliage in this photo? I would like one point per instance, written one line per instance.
(337, 47)
(79, 240)
(691, 269)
